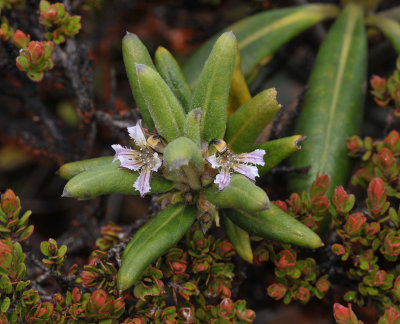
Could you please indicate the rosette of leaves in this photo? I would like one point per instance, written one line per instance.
(191, 153)
(333, 105)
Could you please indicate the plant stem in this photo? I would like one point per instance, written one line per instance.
(192, 177)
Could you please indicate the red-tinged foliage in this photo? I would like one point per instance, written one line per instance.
(354, 224)
(342, 201)
(320, 186)
(354, 145)
(295, 203)
(386, 164)
(345, 315)
(392, 142)
(285, 260)
(376, 201)
(277, 291)
(20, 39)
(282, 205)
(35, 59)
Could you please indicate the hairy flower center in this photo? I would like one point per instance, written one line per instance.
(147, 158)
(228, 160)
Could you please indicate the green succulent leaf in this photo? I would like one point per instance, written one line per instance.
(238, 237)
(71, 169)
(5, 304)
(25, 217)
(239, 92)
(172, 74)
(246, 124)
(110, 179)
(275, 224)
(390, 27)
(134, 52)
(241, 193)
(333, 105)
(5, 284)
(180, 152)
(212, 91)
(261, 35)
(278, 150)
(166, 229)
(165, 109)
(192, 125)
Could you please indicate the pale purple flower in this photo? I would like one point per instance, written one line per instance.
(228, 162)
(144, 160)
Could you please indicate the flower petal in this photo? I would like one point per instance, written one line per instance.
(223, 178)
(118, 149)
(137, 134)
(142, 183)
(214, 161)
(131, 162)
(157, 162)
(124, 153)
(249, 171)
(255, 157)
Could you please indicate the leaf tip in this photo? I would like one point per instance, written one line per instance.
(298, 141)
(175, 165)
(267, 206)
(161, 49)
(129, 35)
(197, 114)
(140, 67)
(230, 34)
(65, 193)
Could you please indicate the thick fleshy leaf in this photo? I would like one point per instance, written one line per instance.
(275, 224)
(247, 123)
(110, 179)
(164, 107)
(239, 92)
(71, 169)
(172, 74)
(238, 237)
(333, 105)
(261, 35)
(134, 51)
(180, 152)
(278, 150)
(241, 193)
(212, 91)
(167, 227)
(192, 125)
(390, 27)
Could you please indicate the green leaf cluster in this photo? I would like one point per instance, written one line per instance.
(189, 123)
